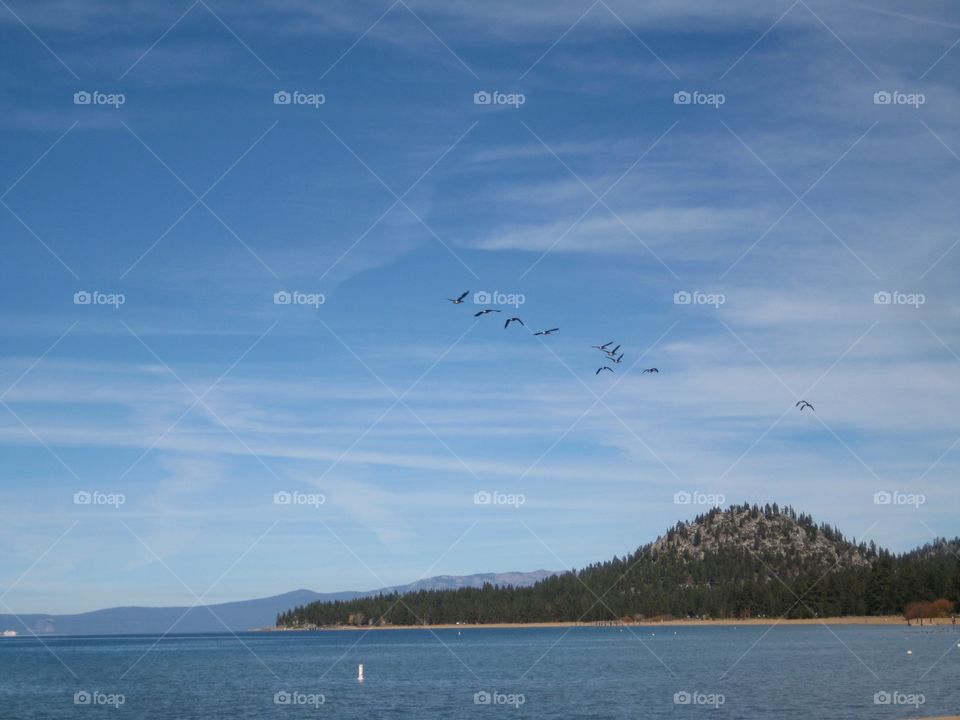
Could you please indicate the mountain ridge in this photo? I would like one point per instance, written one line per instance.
(232, 616)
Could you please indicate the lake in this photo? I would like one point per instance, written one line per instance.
(844, 671)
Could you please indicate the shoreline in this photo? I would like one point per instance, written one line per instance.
(885, 620)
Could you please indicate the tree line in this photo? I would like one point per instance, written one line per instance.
(739, 579)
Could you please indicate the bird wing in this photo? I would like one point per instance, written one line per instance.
(464, 295)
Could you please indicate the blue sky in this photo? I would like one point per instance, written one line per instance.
(793, 201)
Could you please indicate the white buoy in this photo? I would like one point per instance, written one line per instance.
(360, 672)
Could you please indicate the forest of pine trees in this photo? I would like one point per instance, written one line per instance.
(742, 576)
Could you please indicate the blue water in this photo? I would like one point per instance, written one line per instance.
(807, 672)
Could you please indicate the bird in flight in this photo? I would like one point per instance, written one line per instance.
(804, 404)
(601, 369)
(618, 360)
(485, 311)
(650, 370)
(459, 300)
(603, 347)
(547, 332)
(612, 353)
(510, 320)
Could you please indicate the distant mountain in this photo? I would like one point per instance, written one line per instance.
(744, 561)
(453, 582)
(235, 616)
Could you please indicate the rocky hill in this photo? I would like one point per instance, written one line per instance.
(770, 534)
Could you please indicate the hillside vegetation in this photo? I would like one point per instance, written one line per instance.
(745, 561)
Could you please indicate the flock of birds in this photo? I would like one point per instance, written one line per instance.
(614, 356)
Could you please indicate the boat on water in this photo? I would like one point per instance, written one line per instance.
(9, 633)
